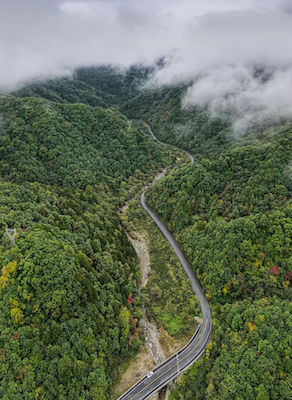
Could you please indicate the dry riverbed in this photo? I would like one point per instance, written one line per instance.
(158, 344)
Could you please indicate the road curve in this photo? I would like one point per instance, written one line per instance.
(184, 358)
(170, 145)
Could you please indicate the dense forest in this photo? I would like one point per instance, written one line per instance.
(72, 145)
(69, 298)
(66, 90)
(65, 321)
(69, 286)
(232, 214)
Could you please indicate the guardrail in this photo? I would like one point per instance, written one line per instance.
(164, 362)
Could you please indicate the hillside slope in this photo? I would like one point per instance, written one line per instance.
(65, 168)
(233, 216)
(231, 212)
(66, 319)
(65, 90)
(71, 145)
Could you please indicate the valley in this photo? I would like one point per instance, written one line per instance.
(71, 293)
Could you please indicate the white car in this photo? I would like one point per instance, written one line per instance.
(150, 374)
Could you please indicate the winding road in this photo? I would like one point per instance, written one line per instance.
(184, 358)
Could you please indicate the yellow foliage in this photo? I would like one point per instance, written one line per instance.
(36, 308)
(286, 284)
(13, 302)
(209, 348)
(210, 388)
(251, 327)
(258, 263)
(38, 392)
(225, 290)
(17, 316)
(4, 277)
(260, 318)
(7, 271)
(124, 320)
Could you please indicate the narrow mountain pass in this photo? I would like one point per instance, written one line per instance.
(158, 343)
(184, 358)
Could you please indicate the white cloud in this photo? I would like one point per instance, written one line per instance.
(240, 93)
(215, 43)
(220, 55)
(38, 40)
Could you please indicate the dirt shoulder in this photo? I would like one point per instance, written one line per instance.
(135, 369)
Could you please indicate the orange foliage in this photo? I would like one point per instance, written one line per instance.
(16, 336)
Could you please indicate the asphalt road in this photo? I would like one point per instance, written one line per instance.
(187, 356)
(170, 145)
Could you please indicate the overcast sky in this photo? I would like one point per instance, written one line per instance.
(218, 40)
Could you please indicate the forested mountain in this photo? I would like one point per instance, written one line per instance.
(67, 286)
(67, 90)
(72, 145)
(66, 320)
(123, 84)
(232, 213)
(193, 129)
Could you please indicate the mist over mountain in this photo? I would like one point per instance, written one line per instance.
(86, 81)
(214, 46)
